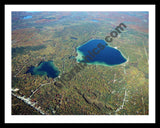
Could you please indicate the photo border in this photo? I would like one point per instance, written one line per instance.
(81, 118)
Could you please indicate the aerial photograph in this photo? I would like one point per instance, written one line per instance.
(79, 63)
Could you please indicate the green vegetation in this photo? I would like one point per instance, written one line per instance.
(26, 50)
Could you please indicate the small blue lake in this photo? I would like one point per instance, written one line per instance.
(27, 17)
(98, 52)
(44, 68)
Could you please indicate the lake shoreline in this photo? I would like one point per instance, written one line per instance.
(80, 57)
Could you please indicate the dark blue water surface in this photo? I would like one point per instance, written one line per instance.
(105, 55)
(44, 68)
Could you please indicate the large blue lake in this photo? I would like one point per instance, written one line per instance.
(44, 68)
(98, 52)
